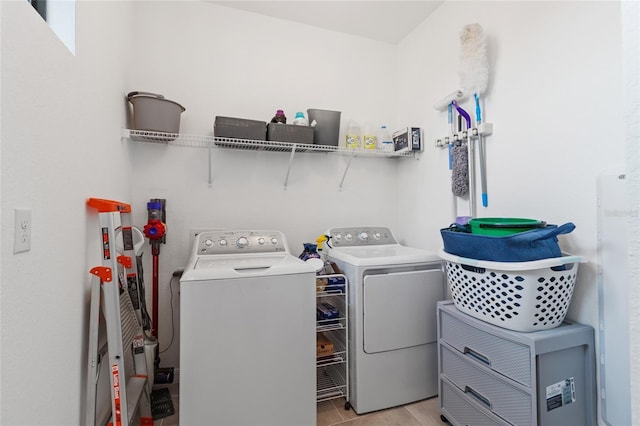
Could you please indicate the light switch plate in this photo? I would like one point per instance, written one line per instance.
(22, 239)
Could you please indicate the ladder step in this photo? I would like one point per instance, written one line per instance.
(135, 387)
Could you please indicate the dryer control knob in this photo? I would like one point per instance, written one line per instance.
(261, 241)
(242, 242)
(208, 242)
(274, 240)
(337, 237)
(363, 236)
(223, 243)
(376, 235)
(348, 237)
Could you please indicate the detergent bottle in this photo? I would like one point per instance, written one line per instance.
(353, 135)
(385, 139)
(279, 117)
(300, 119)
(369, 137)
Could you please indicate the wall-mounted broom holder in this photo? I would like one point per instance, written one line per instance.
(484, 129)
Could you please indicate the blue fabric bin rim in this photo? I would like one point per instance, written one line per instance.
(525, 246)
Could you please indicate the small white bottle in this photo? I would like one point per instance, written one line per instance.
(386, 140)
(369, 138)
(300, 119)
(353, 135)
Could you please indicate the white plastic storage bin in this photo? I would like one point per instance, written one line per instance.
(520, 296)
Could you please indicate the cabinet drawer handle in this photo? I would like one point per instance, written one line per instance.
(477, 355)
(478, 396)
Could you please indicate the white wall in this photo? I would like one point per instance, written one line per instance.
(631, 61)
(555, 97)
(60, 145)
(550, 94)
(220, 61)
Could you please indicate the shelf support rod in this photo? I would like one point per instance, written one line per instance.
(351, 157)
(293, 153)
(210, 167)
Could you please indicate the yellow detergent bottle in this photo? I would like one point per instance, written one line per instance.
(369, 137)
(353, 135)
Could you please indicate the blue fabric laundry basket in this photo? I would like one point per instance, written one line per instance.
(541, 243)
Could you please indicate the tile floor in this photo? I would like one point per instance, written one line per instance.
(421, 413)
(174, 389)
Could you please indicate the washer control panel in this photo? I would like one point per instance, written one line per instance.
(365, 236)
(241, 241)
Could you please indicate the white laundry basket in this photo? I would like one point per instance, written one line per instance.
(520, 296)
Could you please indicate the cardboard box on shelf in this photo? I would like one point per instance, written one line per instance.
(324, 347)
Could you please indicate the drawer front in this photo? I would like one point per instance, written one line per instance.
(503, 356)
(489, 390)
(458, 410)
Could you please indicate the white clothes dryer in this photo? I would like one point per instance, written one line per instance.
(247, 332)
(393, 292)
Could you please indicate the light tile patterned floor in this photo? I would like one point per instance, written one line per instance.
(421, 413)
(174, 389)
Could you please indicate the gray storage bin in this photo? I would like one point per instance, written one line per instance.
(504, 356)
(239, 128)
(280, 132)
(327, 128)
(153, 113)
(473, 362)
(496, 394)
(452, 400)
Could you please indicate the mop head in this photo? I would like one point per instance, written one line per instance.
(474, 64)
(460, 171)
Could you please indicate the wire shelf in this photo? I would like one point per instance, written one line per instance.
(212, 142)
(330, 384)
(203, 141)
(331, 324)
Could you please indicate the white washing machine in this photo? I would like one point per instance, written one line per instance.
(247, 332)
(392, 317)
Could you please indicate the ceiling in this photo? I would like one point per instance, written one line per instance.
(387, 21)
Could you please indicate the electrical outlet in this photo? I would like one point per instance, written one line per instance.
(22, 239)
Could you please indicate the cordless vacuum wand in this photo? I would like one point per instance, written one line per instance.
(155, 230)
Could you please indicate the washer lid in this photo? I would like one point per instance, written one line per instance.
(243, 266)
(394, 254)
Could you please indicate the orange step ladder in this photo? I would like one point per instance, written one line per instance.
(128, 383)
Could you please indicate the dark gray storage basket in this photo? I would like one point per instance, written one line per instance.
(239, 128)
(327, 128)
(291, 133)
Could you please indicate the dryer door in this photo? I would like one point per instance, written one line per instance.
(400, 309)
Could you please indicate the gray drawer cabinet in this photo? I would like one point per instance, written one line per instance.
(494, 376)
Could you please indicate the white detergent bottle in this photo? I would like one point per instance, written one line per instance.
(300, 119)
(352, 140)
(386, 140)
(369, 137)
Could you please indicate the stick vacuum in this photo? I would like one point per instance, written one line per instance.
(155, 230)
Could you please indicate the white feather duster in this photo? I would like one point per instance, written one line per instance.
(474, 64)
